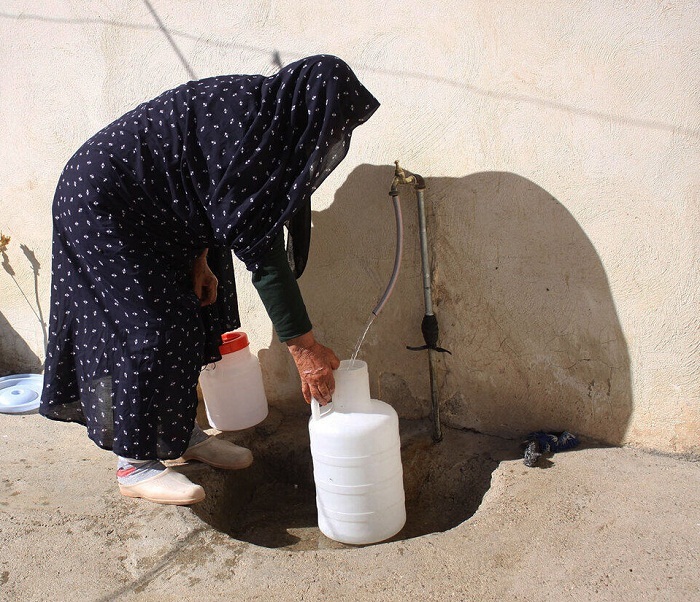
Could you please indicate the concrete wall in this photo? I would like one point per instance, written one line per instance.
(559, 142)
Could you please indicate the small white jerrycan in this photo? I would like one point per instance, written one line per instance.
(233, 391)
(356, 454)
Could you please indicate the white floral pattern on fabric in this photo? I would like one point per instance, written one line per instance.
(220, 162)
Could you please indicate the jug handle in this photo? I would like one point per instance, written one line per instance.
(316, 410)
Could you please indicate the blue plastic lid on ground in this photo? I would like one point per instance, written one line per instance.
(20, 393)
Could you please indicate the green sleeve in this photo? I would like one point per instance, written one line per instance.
(280, 294)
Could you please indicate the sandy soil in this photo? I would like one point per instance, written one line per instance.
(595, 524)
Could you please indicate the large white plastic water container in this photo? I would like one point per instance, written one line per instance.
(233, 391)
(356, 453)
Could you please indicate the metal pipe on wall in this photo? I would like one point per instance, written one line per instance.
(429, 326)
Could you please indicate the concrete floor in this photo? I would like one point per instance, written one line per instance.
(596, 524)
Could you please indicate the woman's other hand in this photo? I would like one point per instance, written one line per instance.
(203, 280)
(315, 364)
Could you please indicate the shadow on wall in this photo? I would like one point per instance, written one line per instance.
(526, 304)
(522, 298)
(15, 355)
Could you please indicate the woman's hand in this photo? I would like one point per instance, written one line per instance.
(315, 364)
(203, 280)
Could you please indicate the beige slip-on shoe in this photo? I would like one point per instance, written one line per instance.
(167, 487)
(220, 454)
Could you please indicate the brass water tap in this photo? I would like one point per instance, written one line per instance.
(400, 178)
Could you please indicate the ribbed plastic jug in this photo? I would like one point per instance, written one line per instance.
(233, 391)
(356, 453)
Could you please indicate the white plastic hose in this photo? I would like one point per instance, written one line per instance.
(397, 257)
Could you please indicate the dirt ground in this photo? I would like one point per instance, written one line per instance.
(591, 524)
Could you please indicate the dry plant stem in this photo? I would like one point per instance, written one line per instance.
(4, 241)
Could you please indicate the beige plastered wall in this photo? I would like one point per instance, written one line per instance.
(559, 143)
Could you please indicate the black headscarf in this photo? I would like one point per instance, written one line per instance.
(258, 147)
